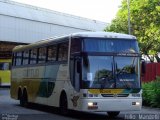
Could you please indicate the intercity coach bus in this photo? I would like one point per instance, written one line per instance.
(86, 71)
(5, 74)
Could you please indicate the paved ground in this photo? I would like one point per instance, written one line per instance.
(10, 108)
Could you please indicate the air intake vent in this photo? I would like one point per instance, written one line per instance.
(115, 95)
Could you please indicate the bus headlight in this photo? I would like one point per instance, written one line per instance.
(136, 103)
(92, 105)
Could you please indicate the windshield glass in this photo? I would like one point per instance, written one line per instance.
(110, 72)
(126, 72)
(4, 66)
(110, 45)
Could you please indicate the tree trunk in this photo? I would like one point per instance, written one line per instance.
(157, 58)
(150, 58)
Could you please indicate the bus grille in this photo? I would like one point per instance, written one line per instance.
(115, 95)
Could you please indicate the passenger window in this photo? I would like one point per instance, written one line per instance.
(52, 53)
(33, 56)
(63, 52)
(19, 58)
(76, 45)
(25, 57)
(42, 55)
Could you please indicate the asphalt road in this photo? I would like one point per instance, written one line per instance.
(11, 110)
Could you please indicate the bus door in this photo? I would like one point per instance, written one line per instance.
(75, 70)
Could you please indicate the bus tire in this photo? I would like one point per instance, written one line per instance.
(21, 100)
(19, 93)
(24, 99)
(113, 114)
(63, 104)
(20, 97)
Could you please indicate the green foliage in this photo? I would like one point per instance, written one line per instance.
(151, 93)
(145, 23)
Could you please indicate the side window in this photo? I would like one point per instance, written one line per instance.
(19, 58)
(52, 53)
(76, 45)
(63, 52)
(33, 56)
(42, 55)
(25, 57)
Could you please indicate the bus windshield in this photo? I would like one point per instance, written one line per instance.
(4, 66)
(112, 64)
(110, 72)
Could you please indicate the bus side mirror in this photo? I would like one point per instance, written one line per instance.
(78, 66)
(143, 67)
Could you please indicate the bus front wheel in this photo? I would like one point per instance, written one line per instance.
(113, 114)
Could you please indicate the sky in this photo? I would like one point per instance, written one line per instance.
(101, 10)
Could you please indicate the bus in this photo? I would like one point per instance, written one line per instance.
(85, 71)
(5, 74)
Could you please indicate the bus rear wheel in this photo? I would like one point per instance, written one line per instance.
(113, 114)
(24, 99)
(63, 104)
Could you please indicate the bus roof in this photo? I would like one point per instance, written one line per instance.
(79, 34)
(103, 35)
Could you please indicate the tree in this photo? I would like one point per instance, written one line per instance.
(145, 24)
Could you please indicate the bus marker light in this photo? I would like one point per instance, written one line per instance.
(90, 95)
(84, 95)
(136, 95)
(95, 95)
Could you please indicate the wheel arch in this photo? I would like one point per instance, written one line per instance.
(25, 93)
(63, 94)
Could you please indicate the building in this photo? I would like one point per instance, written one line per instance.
(21, 23)
(25, 23)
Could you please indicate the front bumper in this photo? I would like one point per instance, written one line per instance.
(103, 105)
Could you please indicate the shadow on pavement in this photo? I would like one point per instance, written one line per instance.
(72, 114)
